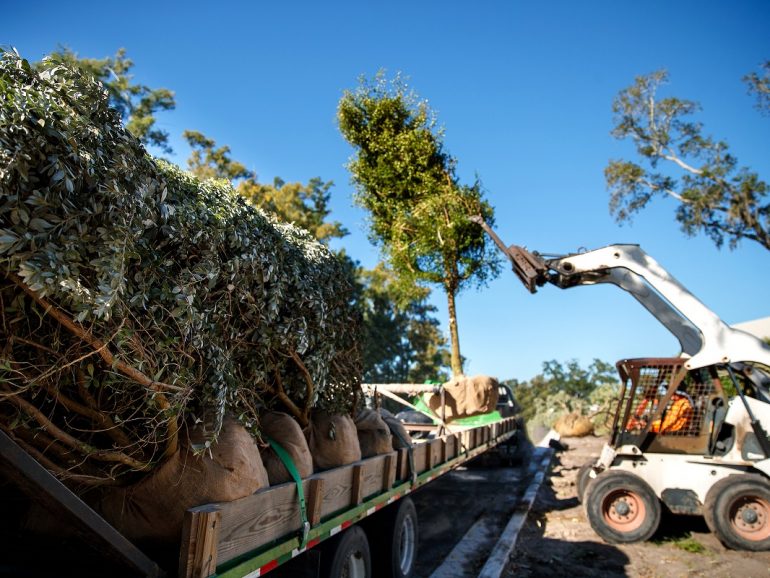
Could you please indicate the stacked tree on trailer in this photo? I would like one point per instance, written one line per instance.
(138, 304)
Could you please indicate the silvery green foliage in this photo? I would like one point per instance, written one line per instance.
(193, 286)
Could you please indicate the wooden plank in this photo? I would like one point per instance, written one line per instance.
(315, 501)
(273, 513)
(389, 472)
(402, 465)
(419, 452)
(200, 536)
(40, 485)
(257, 519)
(451, 447)
(435, 453)
(356, 493)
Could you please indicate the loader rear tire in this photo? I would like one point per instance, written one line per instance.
(621, 507)
(737, 510)
(583, 479)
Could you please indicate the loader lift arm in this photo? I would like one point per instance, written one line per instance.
(703, 337)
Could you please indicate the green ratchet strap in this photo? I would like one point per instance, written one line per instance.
(291, 468)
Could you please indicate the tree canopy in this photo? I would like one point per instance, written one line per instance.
(418, 209)
(714, 194)
(137, 104)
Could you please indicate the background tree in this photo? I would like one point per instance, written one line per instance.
(208, 161)
(402, 342)
(305, 205)
(418, 209)
(759, 86)
(564, 381)
(137, 104)
(713, 193)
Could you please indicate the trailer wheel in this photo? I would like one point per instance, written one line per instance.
(347, 555)
(394, 538)
(621, 507)
(737, 510)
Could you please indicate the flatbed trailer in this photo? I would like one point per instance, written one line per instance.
(254, 535)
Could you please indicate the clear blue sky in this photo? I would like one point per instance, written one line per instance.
(524, 92)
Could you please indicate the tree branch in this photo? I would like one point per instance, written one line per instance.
(100, 347)
(106, 355)
(310, 386)
(65, 438)
(287, 402)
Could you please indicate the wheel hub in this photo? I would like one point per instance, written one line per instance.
(749, 516)
(623, 510)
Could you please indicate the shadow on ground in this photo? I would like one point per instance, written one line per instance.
(537, 555)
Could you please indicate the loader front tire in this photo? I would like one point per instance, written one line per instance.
(737, 510)
(621, 507)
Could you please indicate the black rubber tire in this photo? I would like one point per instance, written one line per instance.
(737, 510)
(349, 547)
(621, 507)
(394, 537)
(583, 479)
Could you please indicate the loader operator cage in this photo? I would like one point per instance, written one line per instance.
(664, 407)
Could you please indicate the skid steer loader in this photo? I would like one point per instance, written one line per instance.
(689, 432)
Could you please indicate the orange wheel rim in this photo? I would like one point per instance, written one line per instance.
(750, 518)
(623, 510)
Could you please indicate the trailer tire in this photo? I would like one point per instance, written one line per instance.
(621, 507)
(394, 538)
(737, 510)
(347, 555)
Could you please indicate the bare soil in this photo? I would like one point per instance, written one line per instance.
(557, 539)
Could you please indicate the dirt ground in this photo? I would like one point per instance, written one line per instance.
(557, 539)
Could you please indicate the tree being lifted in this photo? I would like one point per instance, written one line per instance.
(714, 195)
(418, 208)
(136, 300)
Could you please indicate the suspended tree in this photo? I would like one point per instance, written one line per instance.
(418, 209)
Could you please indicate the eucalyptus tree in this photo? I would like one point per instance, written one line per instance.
(418, 209)
(713, 194)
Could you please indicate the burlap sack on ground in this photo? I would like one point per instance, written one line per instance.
(399, 436)
(152, 510)
(285, 430)
(573, 425)
(466, 396)
(332, 440)
(374, 436)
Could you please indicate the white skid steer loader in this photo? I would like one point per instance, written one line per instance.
(688, 431)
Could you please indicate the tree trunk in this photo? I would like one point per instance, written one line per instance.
(457, 362)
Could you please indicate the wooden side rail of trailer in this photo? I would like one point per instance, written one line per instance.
(253, 535)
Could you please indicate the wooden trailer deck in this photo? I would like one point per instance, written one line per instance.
(253, 535)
